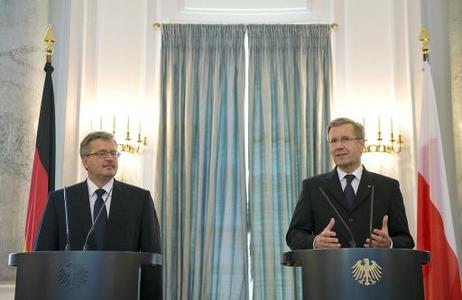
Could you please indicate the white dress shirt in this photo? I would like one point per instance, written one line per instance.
(355, 182)
(107, 196)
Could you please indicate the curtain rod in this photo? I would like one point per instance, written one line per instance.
(158, 24)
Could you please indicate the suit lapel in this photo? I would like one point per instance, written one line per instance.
(334, 188)
(79, 207)
(364, 188)
(116, 213)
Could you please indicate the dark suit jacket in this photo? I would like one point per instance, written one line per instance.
(313, 212)
(132, 226)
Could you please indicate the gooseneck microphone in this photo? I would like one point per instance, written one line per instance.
(351, 242)
(66, 214)
(92, 228)
(371, 214)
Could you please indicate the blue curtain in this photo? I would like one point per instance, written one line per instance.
(289, 96)
(200, 176)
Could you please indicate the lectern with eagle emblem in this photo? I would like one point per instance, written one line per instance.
(360, 273)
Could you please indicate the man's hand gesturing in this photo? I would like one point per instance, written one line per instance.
(327, 238)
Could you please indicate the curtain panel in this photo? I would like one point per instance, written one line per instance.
(200, 167)
(290, 70)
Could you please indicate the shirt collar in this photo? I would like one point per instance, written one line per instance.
(92, 186)
(357, 173)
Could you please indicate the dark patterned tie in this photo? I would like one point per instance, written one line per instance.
(349, 191)
(100, 223)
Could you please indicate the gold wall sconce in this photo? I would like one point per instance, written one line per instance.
(128, 141)
(134, 146)
(392, 145)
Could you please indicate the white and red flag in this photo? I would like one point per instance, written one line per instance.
(435, 228)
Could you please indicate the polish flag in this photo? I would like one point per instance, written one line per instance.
(435, 228)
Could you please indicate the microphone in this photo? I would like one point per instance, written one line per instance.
(351, 242)
(68, 245)
(92, 228)
(371, 214)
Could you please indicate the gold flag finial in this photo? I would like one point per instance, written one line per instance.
(425, 39)
(49, 40)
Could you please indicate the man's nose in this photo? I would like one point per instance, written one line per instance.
(338, 144)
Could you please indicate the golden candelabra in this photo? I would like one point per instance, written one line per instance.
(134, 147)
(129, 142)
(392, 146)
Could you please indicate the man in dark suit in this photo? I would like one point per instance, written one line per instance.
(348, 191)
(127, 219)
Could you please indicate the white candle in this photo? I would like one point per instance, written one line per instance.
(364, 128)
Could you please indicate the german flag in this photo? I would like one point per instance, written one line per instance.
(43, 170)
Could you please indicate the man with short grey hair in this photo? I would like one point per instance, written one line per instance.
(123, 215)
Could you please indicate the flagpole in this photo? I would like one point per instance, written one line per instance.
(425, 39)
(49, 40)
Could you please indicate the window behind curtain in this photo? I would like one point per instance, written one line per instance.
(201, 170)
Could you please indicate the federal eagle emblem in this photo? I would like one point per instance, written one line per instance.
(72, 276)
(366, 272)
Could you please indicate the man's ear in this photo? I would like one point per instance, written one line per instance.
(84, 163)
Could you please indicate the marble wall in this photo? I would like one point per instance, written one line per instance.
(455, 41)
(22, 26)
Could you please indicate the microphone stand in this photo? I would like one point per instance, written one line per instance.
(352, 242)
(92, 228)
(68, 245)
(371, 216)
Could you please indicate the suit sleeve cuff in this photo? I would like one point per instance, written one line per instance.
(314, 241)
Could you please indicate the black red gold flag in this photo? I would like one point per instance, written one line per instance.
(43, 170)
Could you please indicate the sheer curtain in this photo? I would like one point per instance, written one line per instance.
(289, 96)
(200, 168)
